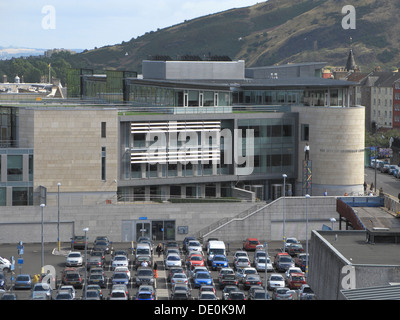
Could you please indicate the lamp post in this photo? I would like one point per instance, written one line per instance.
(42, 209)
(307, 197)
(58, 221)
(284, 212)
(85, 230)
(333, 220)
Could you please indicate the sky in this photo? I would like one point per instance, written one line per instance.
(86, 24)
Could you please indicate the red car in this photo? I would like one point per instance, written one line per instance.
(251, 244)
(296, 280)
(195, 260)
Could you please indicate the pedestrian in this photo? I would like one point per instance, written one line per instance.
(365, 187)
(381, 192)
(307, 152)
(145, 264)
(325, 192)
(159, 249)
(155, 269)
(372, 186)
(399, 197)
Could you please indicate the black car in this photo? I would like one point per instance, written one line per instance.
(102, 245)
(99, 279)
(227, 290)
(236, 295)
(94, 262)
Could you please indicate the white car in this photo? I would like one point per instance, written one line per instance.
(118, 295)
(261, 263)
(123, 269)
(119, 261)
(275, 280)
(194, 245)
(5, 264)
(241, 262)
(242, 273)
(292, 270)
(173, 260)
(289, 241)
(74, 259)
(68, 288)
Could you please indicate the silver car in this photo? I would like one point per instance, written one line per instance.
(40, 289)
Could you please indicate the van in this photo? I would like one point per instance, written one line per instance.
(213, 248)
(142, 249)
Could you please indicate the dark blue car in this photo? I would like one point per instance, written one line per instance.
(120, 278)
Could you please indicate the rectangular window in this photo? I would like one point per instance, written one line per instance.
(305, 132)
(103, 163)
(103, 129)
(14, 168)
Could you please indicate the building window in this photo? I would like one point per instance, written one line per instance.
(14, 168)
(305, 132)
(103, 163)
(103, 129)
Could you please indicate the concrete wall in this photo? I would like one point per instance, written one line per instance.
(23, 223)
(336, 140)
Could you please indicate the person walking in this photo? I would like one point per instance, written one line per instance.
(159, 249)
(155, 269)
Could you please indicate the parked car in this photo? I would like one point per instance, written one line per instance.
(241, 262)
(42, 289)
(147, 287)
(173, 270)
(123, 269)
(195, 260)
(295, 248)
(63, 295)
(74, 259)
(3, 281)
(301, 261)
(283, 261)
(275, 280)
(92, 294)
(258, 293)
(227, 279)
(94, 262)
(181, 287)
(144, 275)
(202, 278)
(99, 279)
(70, 289)
(73, 277)
(289, 241)
(180, 295)
(144, 295)
(306, 293)
(99, 253)
(179, 278)
(251, 280)
(219, 261)
(392, 169)
(119, 261)
(95, 287)
(251, 244)
(186, 241)
(385, 168)
(102, 245)
(239, 253)
(227, 290)
(78, 242)
(296, 280)
(236, 295)
(5, 264)
(118, 294)
(242, 273)
(23, 281)
(173, 260)
(282, 294)
(207, 296)
(194, 245)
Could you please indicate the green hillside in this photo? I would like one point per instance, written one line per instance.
(272, 32)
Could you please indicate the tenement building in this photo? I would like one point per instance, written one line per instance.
(184, 129)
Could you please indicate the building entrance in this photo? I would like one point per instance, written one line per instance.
(157, 230)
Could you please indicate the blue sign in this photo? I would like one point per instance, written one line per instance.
(142, 218)
(20, 261)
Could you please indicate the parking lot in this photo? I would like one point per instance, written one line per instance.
(53, 257)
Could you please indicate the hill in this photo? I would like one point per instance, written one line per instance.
(272, 32)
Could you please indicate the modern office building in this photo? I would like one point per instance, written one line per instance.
(186, 130)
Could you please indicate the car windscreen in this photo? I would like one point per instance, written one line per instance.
(203, 276)
(285, 259)
(147, 272)
(142, 251)
(219, 259)
(173, 258)
(217, 251)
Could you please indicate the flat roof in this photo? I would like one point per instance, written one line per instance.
(353, 245)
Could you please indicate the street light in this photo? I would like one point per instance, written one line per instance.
(284, 211)
(307, 197)
(58, 221)
(42, 209)
(85, 230)
(333, 220)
